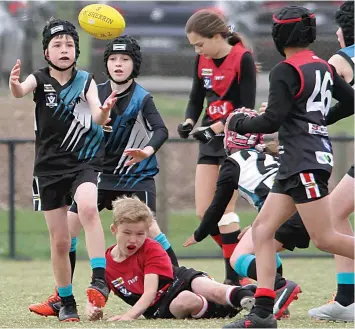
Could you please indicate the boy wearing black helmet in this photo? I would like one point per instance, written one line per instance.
(342, 307)
(301, 90)
(68, 119)
(135, 133)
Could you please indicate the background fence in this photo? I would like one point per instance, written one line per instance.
(23, 233)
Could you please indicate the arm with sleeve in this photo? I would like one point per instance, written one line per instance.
(226, 184)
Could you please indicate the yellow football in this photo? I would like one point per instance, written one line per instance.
(101, 21)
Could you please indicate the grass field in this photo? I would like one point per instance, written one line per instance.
(32, 241)
(23, 283)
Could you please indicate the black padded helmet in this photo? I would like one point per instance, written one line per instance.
(57, 27)
(293, 26)
(344, 17)
(124, 45)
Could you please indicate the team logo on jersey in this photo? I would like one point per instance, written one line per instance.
(317, 130)
(325, 158)
(51, 100)
(207, 83)
(327, 144)
(207, 72)
(118, 282)
(48, 88)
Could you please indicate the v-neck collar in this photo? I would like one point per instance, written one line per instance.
(56, 85)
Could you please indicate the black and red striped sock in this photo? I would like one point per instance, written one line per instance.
(229, 242)
(264, 302)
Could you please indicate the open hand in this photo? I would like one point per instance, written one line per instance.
(190, 241)
(93, 313)
(109, 102)
(138, 155)
(15, 74)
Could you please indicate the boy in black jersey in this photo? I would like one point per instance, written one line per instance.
(301, 89)
(68, 116)
(342, 307)
(225, 75)
(132, 137)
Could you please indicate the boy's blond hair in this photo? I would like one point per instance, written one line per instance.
(131, 210)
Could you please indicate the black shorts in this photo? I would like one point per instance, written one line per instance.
(182, 281)
(212, 153)
(351, 171)
(304, 187)
(56, 191)
(293, 234)
(105, 198)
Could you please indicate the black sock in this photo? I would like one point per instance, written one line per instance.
(280, 270)
(72, 257)
(67, 300)
(98, 273)
(229, 242)
(252, 270)
(172, 256)
(237, 294)
(279, 280)
(264, 306)
(345, 294)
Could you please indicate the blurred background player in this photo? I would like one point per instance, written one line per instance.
(341, 308)
(225, 75)
(136, 133)
(140, 273)
(67, 161)
(251, 168)
(306, 157)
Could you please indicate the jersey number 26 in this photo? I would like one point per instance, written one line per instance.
(321, 88)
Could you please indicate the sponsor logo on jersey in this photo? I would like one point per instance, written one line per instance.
(48, 88)
(118, 282)
(219, 77)
(317, 130)
(207, 83)
(207, 72)
(51, 100)
(133, 280)
(324, 158)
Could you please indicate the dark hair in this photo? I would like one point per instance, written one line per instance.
(208, 23)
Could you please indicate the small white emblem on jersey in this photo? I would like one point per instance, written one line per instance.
(207, 83)
(51, 100)
(48, 88)
(324, 158)
(207, 72)
(317, 130)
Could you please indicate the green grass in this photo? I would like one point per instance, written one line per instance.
(24, 283)
(32, 239)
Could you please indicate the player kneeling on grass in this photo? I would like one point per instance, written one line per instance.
(139, 271)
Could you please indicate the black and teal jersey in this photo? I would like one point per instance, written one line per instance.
(67, 139)
(135, 123)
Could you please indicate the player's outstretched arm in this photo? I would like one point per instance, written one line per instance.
(17, 88)
(151, 282)
(100, 113)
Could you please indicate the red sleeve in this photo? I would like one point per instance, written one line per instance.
(157, 260)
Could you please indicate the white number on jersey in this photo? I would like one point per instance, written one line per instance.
(321, 88)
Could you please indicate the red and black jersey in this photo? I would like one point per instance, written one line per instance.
(300, 95)
(126, 279)
(230, 82)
